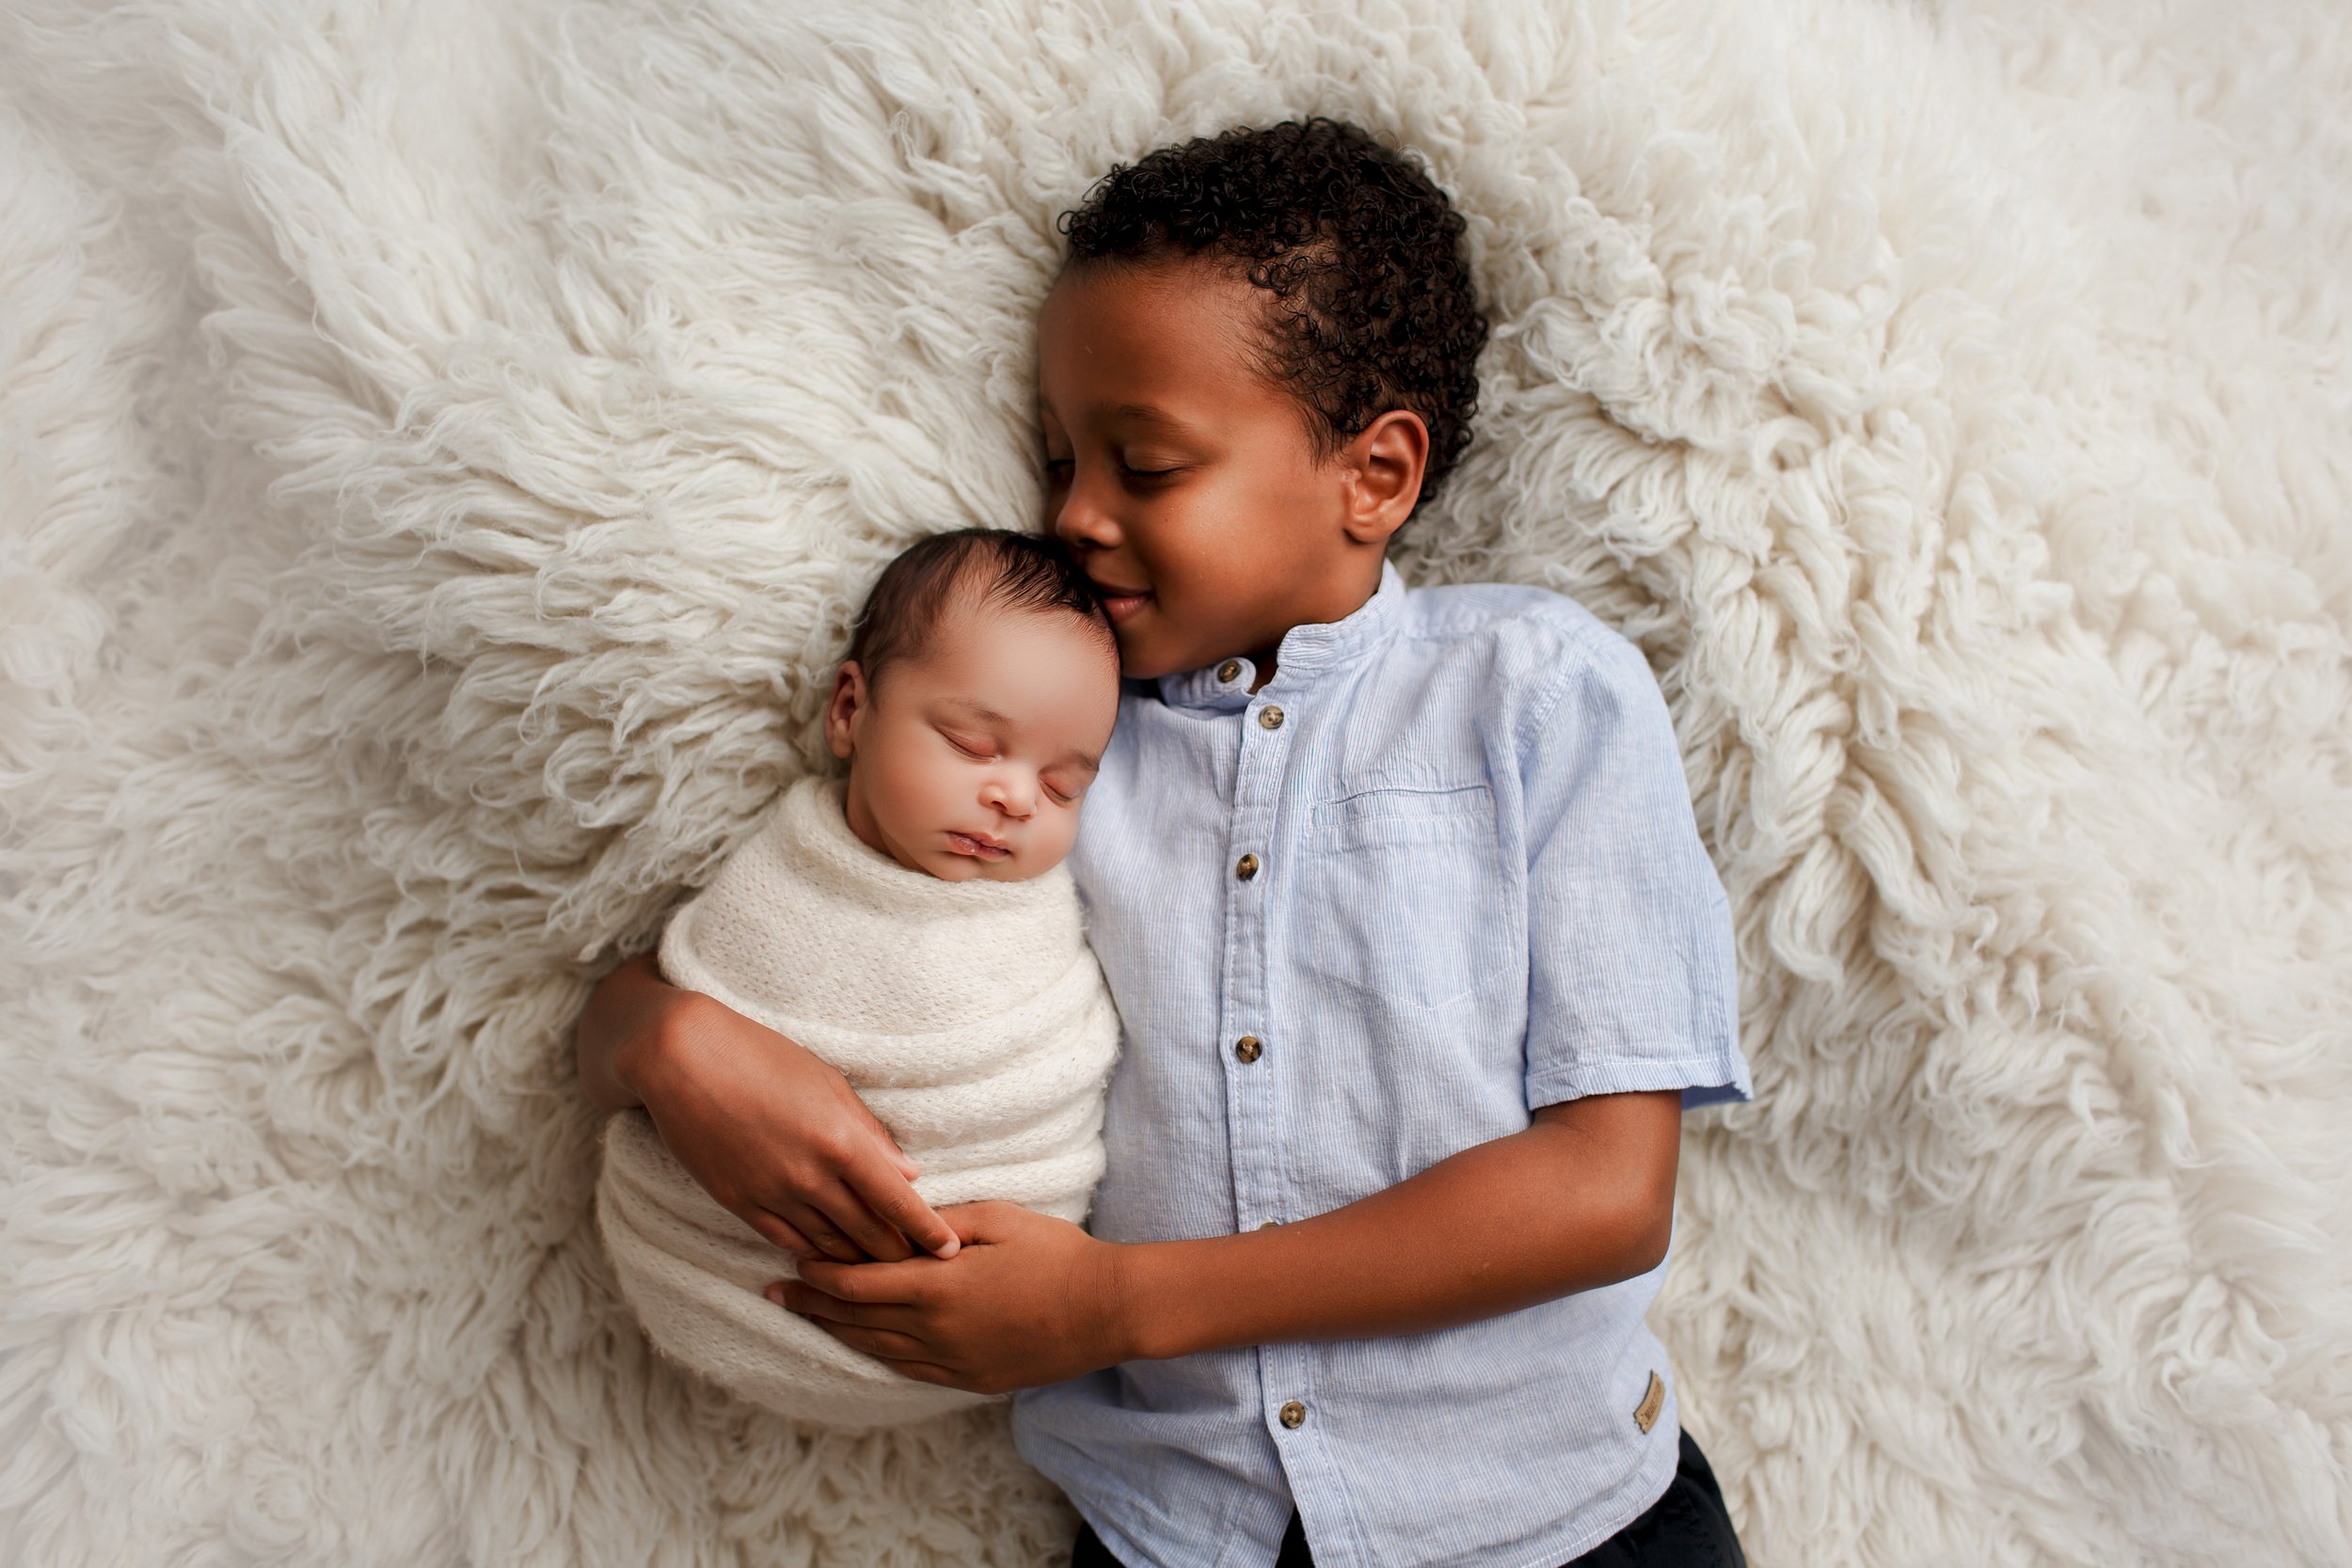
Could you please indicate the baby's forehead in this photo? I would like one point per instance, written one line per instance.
(978, 640)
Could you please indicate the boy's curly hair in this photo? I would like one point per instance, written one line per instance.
(1361, 250)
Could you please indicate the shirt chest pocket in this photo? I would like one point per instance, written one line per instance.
(1407, 903)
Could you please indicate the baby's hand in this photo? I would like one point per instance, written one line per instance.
(1029, 1300)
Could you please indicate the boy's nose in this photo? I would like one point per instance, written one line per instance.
(1079, 520)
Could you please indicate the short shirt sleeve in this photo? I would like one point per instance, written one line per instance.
(1632, 980)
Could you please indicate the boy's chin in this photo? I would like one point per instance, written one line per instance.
(1141, 658)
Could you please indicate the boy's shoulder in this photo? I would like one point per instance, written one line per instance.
(1461, 610)
(1523, 637)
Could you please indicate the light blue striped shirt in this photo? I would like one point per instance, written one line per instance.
(1473, 886)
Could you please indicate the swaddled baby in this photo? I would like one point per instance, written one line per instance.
(913, 925)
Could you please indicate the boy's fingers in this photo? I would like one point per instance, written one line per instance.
(867, 1284)
(897, 1156)
(777, 1231)
(868, 1229)
(799, 1297)
(825, 1239)
(903, 1207)
(881, 1342)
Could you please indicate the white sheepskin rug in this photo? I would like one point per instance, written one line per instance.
(441, 442)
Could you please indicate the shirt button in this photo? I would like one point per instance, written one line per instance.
(1248, 1048)
(1293, 1414)
(1229, 669)
(1270, 718)
(1246, 868)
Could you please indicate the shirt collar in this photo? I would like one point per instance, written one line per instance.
(1304, 653)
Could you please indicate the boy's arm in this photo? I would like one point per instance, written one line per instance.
(774, 1133)
(615, 1029)
(1583, 1197)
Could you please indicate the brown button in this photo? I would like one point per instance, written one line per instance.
(1248, 1048)
(1246, 868)
(1270, 718)
(1229, 669)
(1293, 1414)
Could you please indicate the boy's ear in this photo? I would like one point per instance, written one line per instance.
(850, 697)
(1385, 462)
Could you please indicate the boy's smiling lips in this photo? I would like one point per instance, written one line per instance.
(1119, 603)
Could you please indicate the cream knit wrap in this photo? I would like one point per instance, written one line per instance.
(969, 1016)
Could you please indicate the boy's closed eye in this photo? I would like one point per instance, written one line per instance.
(1141, 470)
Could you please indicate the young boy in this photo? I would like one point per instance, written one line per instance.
(1417, 950)
(913, 925)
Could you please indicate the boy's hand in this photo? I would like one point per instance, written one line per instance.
(774, 1135)
(1029, 1300)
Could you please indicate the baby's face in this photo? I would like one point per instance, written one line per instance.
(970, 760)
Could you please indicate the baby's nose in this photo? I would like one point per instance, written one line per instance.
(1010, 795)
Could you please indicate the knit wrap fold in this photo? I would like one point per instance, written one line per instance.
(970, 1017)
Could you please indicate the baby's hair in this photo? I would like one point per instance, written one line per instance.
(994, 565)
(1359, 248)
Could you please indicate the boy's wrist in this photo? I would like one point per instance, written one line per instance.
(645, 1054)
(1152, 1308)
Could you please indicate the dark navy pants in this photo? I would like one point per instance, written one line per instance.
(1686, 1528)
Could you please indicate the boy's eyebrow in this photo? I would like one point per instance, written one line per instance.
(1149, 415)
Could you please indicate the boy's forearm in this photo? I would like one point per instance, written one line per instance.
(1583, 1197)
(614, 1017)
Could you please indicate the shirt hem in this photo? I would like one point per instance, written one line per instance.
(1647, 1485)
(1631, 1076)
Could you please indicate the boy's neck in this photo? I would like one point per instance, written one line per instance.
(1263, 660)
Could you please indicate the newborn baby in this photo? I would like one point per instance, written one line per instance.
(914, 927)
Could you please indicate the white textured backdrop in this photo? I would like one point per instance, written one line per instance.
(440, 443)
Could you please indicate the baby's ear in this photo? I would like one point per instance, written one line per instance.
(849, 698)
(1385, 462)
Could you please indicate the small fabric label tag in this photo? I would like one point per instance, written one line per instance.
(1653, 1401)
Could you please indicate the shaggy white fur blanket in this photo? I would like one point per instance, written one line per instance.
(440, 444)
(972, 1019)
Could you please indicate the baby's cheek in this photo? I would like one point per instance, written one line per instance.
(1053, 847)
